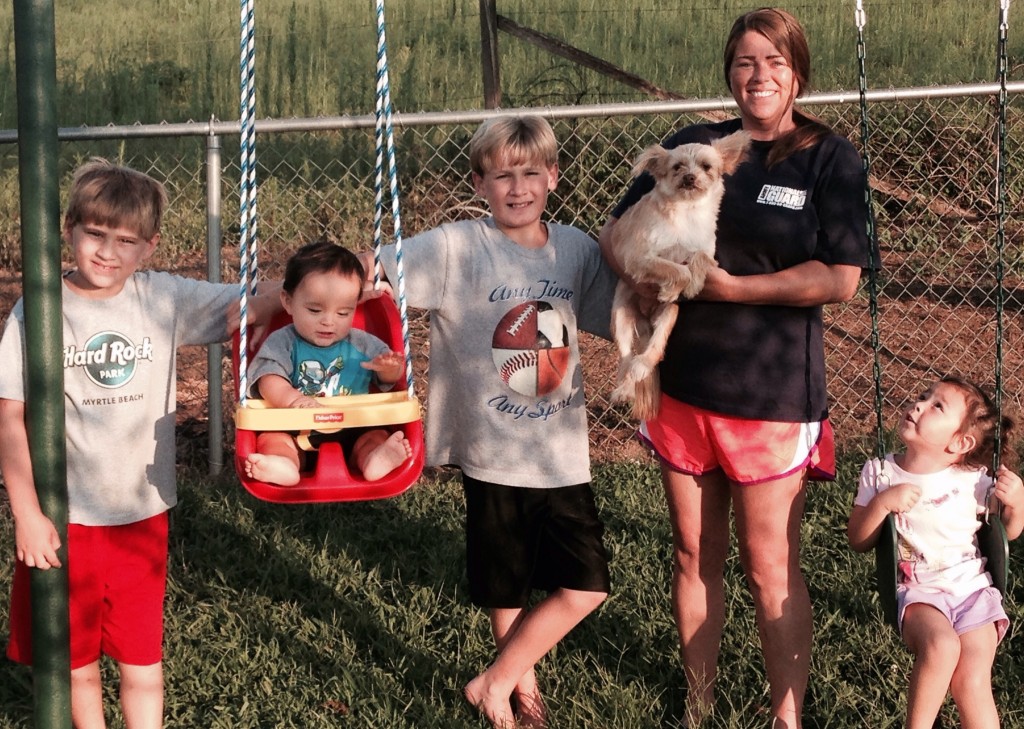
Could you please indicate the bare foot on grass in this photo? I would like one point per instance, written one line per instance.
(388, 456)
(271, 469)
(496, 709)
(531, 712)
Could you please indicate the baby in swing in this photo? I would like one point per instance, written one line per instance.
(320, 355)
(950, 615)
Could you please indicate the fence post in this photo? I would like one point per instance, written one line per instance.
(36, 69)
(489, 53)
(215, 352)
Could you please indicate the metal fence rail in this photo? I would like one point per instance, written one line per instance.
(933, 178)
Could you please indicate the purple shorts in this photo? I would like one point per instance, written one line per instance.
(965, 613)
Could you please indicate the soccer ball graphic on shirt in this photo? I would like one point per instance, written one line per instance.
(531, 348)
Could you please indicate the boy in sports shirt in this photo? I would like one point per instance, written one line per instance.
(507, 295)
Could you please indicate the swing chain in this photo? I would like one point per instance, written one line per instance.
(1000, 197)
(872, 233)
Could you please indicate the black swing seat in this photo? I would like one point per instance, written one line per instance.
(329, 478)
(992, 543)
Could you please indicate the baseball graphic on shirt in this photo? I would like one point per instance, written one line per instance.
(531, 348)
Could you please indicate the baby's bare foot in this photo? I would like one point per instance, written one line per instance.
(497, 710)
(271, 469)
(388, 456)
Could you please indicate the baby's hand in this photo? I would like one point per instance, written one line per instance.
(1009, 488)
(305, 401)
(388, 366)
(900, 498)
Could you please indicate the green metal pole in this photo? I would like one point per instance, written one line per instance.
(36, 59)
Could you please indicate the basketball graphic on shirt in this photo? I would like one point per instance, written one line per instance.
(531, 348)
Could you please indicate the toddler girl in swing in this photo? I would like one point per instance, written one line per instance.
(950, 616)
(320, 354)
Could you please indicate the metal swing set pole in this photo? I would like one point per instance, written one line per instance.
(35, 53)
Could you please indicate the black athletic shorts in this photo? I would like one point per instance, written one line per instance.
(521, 539)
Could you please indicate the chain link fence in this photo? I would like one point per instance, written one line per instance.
(947, 301)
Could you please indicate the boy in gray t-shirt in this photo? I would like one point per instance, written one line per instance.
(121, 329)
(506, 296)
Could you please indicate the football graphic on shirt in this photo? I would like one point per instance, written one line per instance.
(531, 348)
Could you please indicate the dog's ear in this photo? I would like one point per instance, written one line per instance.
(733, 150)
(650, 160)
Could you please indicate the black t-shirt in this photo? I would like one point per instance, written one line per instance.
(766, 362)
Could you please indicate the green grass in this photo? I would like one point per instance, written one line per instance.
(356, 615)
(172, 60)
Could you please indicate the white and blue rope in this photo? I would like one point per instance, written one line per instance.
(247, 186)
(385, 141)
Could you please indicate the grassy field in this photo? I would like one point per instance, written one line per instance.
(355, 615)
(179, 60)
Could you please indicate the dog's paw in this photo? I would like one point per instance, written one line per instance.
(669, 294)
(639, 370)
(693, 287)
(677, 286)
(625, 392)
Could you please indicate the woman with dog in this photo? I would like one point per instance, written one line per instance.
(743, 417)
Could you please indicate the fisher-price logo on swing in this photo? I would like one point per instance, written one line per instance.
(110, 359)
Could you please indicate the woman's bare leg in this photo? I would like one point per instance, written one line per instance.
(698, 508)
(768, 519)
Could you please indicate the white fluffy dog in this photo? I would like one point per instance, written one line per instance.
(667, 239)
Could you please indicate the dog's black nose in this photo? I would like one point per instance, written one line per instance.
(688, 180)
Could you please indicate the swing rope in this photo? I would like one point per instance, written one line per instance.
(385, 147)
(385, 142)
(247, 187)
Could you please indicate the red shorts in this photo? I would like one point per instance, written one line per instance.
(117, 576)
(695, 441)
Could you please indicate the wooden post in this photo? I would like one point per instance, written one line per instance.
(489, 53)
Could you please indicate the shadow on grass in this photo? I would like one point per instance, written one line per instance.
(344, 579)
